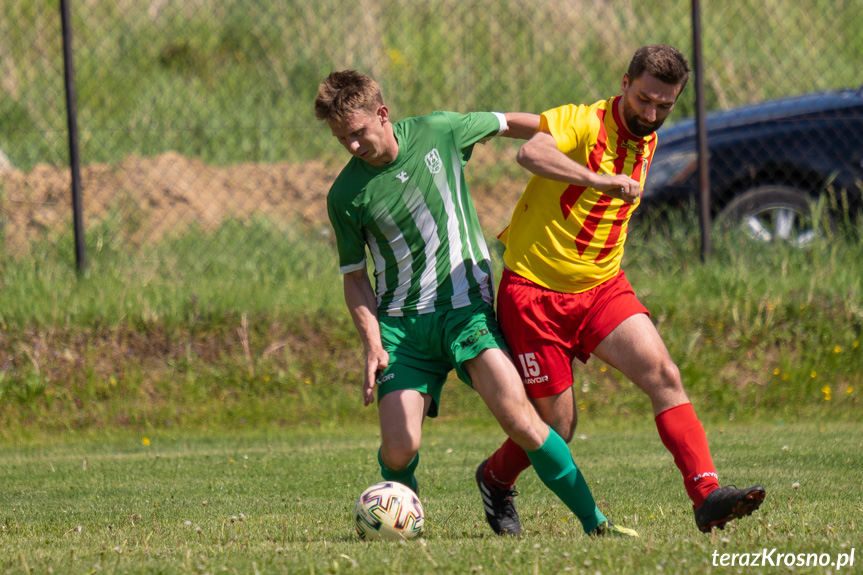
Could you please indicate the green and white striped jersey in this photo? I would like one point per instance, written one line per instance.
(416, 217)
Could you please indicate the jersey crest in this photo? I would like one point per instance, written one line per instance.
(434, 161)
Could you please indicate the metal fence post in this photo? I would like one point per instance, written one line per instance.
(72, 117)
(701, 130)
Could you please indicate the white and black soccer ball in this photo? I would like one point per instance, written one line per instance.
(388, 511)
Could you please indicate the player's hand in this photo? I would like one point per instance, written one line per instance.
(376, 362)
(621, 187)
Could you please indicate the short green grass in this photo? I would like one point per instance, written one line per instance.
(280, 501)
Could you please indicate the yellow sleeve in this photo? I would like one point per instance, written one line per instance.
(566, 124)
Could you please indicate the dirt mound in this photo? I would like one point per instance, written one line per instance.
(153, 197)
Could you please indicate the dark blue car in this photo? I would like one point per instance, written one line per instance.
(779, 169)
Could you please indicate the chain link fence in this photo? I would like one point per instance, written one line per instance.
(196, 113)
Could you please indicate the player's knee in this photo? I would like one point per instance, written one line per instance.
(670, 375)
(398, 455)
(518, 427)
(398, 461)
(528, 430)
(661, 379)
(666, 377)
(514, 425)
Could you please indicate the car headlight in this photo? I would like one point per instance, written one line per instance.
(670, 169)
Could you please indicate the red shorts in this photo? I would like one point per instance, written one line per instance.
(546, 329)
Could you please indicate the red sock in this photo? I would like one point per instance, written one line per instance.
(683, 435)
(505, 465)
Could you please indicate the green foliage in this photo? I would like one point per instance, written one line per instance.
(759, 327)
(243, 267)
(280, 501)
(246, 325)
(234, 81)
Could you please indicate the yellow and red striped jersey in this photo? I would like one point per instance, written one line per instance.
(570, 238)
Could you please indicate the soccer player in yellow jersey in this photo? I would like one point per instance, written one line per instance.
(563, 294)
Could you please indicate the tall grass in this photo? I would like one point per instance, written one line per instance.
(171, 337)
(234, 81)
(244, 267)
(256, 332)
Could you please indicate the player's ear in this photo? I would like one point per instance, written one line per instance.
(383, 114)
(624, 84)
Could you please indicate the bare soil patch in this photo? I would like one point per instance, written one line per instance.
(153, 197)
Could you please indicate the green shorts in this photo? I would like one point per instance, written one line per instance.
(423, 349)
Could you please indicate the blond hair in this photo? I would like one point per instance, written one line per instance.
(343, 94)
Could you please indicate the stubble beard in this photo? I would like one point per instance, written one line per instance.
(635, 125)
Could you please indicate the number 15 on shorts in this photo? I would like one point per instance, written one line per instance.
(529, 365)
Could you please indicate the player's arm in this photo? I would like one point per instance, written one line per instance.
(361, 302)
(521, 125)
(541, 156)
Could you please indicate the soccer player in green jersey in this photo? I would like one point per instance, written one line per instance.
(403, 198)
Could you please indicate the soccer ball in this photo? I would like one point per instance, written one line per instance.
(388, 511)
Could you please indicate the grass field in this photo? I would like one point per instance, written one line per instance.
(280, 501)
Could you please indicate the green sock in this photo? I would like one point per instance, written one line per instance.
(404, 476)
(555, 467)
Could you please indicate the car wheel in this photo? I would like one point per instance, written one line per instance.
(774, 214)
